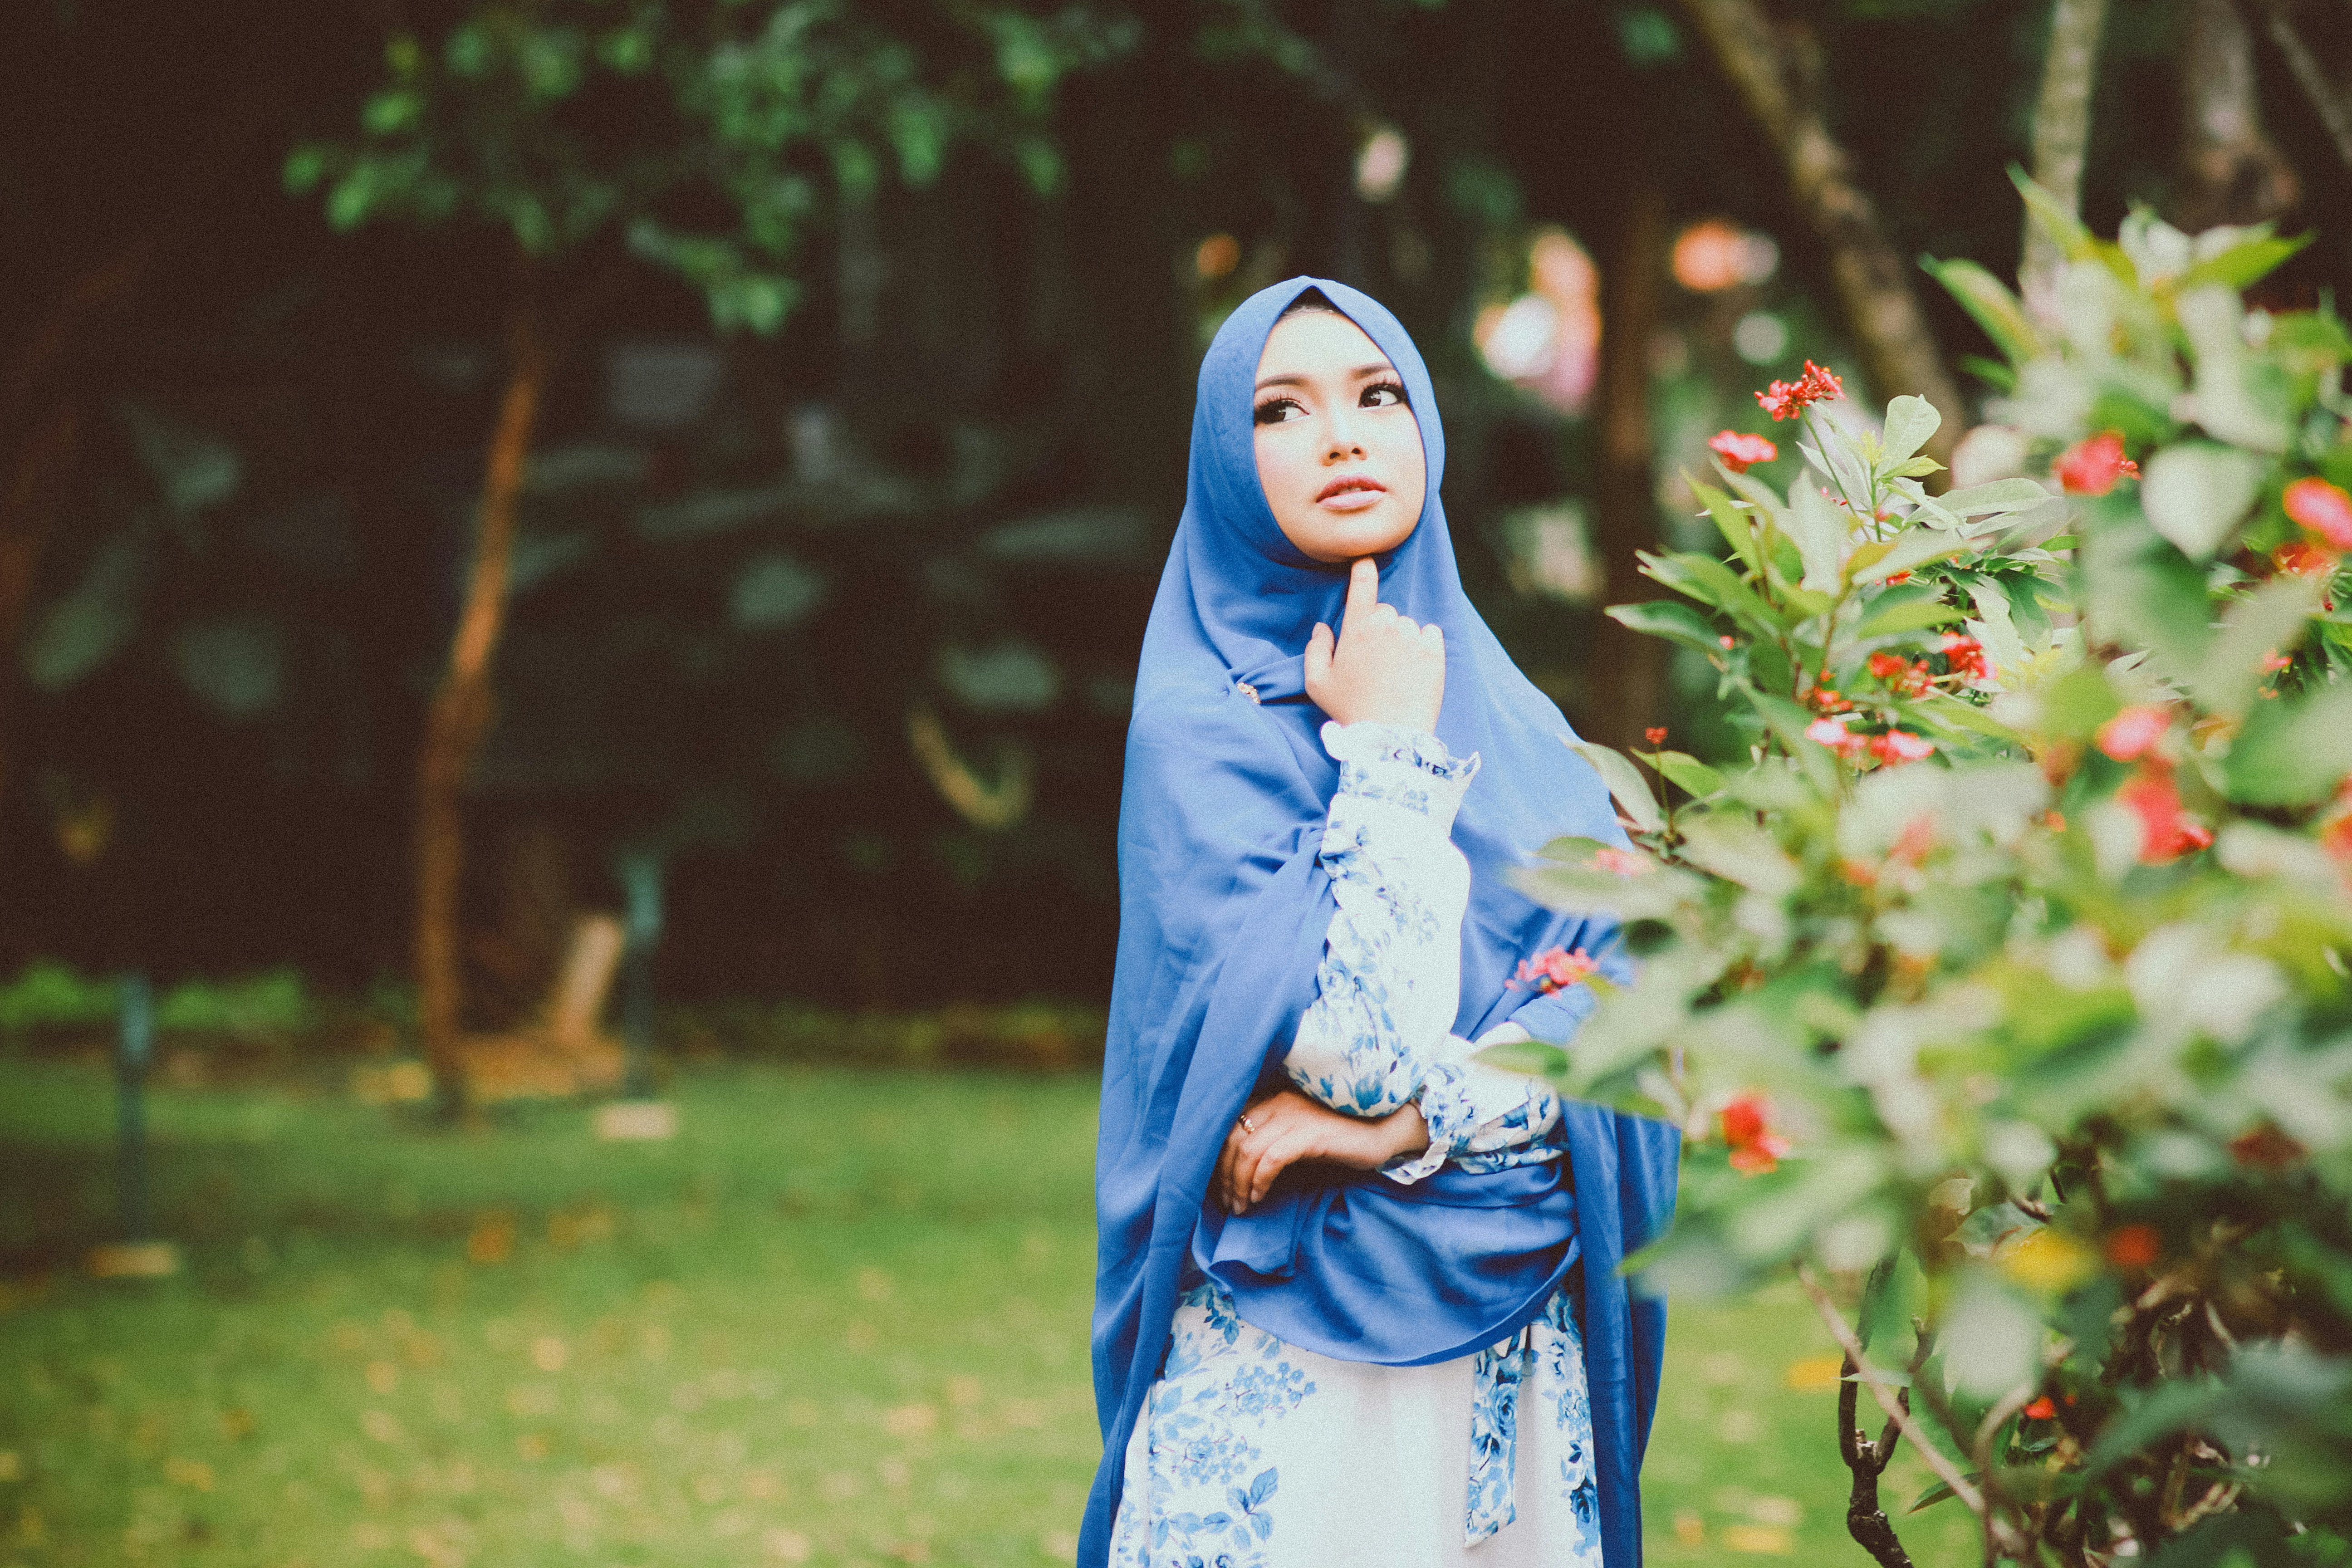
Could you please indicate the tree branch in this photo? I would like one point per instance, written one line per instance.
(1777, 74)
(2062, 128)
(1945, 1471)
(2327, 101)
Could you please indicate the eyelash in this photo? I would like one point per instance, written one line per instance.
(1267, 412)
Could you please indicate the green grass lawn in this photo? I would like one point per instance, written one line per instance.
(840, 1320)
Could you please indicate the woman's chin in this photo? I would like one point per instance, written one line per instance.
(1337, 541)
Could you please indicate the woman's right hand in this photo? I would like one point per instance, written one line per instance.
(1382, 668)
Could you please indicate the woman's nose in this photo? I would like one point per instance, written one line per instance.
(1340, 437)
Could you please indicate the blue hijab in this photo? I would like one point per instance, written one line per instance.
(1223, 915)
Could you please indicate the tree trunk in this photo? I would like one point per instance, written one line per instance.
(2061, 133)
(1627, 670)
(461, 710)
(2328, 99)
(1777, 74)
(2229, 172)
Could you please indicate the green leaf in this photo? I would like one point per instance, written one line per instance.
(2198, 492)
(2295, 750)
(1687, 772)
(1736, 526)
(1913, 612)
(1676, 622)
(1710, 581)
(2266, 621)
(305, 167)
(1625, 784)
(2051, 216)
(2245, 263)
(1915, 546)
(1533, 1058)
(1934, 1494)
(1994, 498)
(1821, 531)
(2144, 594)
(1909, 422)
(1994, 308)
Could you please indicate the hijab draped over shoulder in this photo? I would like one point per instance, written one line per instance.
(1223, 912)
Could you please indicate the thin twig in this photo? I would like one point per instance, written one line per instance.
(1945, 1471)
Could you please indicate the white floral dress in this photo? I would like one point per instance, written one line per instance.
(1253, 1453)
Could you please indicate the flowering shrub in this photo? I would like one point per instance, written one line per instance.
(2002, 991)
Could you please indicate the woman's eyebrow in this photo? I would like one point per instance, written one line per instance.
(1297, 378)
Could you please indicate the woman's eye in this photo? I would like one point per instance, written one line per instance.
(1382, 395)
(1274, 410)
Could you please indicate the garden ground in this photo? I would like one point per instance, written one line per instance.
(841, 1318)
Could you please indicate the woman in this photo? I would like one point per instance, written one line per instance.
(1357, 1298)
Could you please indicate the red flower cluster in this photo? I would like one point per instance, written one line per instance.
(2322, 509)
(1893, 747)
(1786, 399)
(1965, 656)
(2135, 1246)
(2266, 1147)
(1904, 677)
(1900, 746)
(2042, 1409)
(1655, 735)
(1556, 969)
(2130, 735)
(2090, 467)
(2166, 832)
(1828, 700)
(1747, 1128)
(1621, 862)
(1741, 452)
(2303, 556)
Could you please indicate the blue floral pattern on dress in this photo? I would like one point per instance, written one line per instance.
(1235, 1405)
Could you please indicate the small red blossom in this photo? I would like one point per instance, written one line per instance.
(1906, 677)
(2135, 1246)
(1916, 839)
(2337, 838)
(2304, 559)
(1787, 399)
(1747, 1127)
(1894, 577)
(2130, 734)
(1655, 735)
(1828, 700)
(2042, 1409)
(1725, 641)
(1966, 656)
(1556, 969)
(2166, 832)
(2266, 1147)
(2090, 467)
(1898, 746)
(1621, 862)
(1741, 452)
(1829, 730)
(2322, 509)
(2274, 662)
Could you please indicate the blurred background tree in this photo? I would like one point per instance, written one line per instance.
(840, 614)
(705, 139)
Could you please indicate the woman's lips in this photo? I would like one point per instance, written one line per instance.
(1350, 495)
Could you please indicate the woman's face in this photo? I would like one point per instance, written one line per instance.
(1339, 452)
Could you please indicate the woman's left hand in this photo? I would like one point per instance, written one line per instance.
(1289, 1127)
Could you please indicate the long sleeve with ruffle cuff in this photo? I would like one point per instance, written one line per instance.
(1390, 979)
(1480, 1117)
